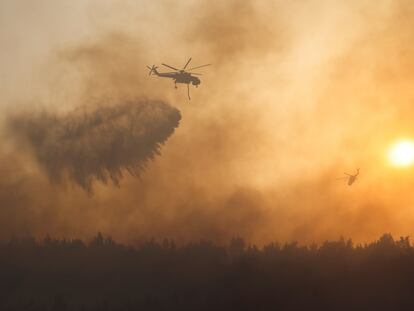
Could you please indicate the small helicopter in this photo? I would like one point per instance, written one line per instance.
(180, 75)
(351, 178)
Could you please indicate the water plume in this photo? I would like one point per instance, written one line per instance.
(97, 145)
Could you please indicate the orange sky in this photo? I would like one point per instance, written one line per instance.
(298, 93)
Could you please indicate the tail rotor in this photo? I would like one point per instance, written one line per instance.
(152, 69)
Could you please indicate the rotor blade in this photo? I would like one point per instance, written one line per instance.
(196, 74)
(149, 67)
(200, 66)
(187, 64)
(170, 67)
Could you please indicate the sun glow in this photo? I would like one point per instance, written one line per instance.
(401, 154)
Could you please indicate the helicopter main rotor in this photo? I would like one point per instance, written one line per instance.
(185, 66)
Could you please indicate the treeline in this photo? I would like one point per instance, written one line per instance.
(62, 275)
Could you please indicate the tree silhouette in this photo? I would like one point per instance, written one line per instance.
(69, 274)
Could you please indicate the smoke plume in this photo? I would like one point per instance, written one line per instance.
(299, 93)
(100, 145)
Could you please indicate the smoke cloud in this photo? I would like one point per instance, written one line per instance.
(99, 145)
(299, 93)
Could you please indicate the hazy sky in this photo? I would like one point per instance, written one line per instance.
(299, 92)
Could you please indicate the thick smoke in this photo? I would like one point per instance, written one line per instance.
(299, 92)
(98, 145)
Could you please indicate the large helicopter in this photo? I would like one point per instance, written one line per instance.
(180, 75)
(351, 177)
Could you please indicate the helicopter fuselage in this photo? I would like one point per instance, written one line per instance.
(352, 178)
(180, 77)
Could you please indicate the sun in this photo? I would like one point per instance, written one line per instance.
(401, 153)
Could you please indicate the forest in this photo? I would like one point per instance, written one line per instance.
(102, 274)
